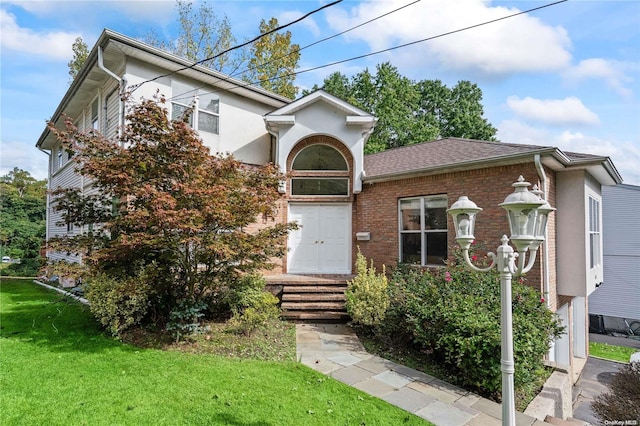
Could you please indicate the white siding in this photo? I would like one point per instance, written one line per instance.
(112, 114)
(619, 296)
(576, 277)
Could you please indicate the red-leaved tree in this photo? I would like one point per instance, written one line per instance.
(163, 210)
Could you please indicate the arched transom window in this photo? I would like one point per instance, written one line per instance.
(319, 170)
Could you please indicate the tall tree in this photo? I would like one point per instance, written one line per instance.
(412, 112)
(80, 53)
(202, 34)
(274, 60)
(183, 212)
(22, 218)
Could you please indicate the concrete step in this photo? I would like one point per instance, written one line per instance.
(313, 297)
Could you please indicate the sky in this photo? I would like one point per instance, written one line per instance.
(567, 75)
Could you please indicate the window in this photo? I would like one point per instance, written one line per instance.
(94, 115)
(594, 232)
(423, 230)
(206, 107)
(319, 157)
(60, 158)
(320, 170)
(180, 112)
(208, 113)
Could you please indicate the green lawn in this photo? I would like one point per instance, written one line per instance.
(57, 367)
(611, 352)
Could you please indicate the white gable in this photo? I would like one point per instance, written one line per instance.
(321, 114)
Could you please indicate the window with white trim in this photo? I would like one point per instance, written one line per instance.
(595, 244)
(423, 230)
(60, 157)
(195, 106)
(319, 170)
(95, 123)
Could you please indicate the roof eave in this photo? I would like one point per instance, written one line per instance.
(464, 165)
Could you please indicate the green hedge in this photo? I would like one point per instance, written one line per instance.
(454, 313)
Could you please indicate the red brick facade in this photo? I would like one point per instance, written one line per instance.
(375, 210)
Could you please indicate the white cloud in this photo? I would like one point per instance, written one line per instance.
(518, 44)
(614, 73)
(565, 111)
(25, 156)
(54, 45)
(624, 154)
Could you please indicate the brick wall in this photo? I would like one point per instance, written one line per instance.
(376, 211)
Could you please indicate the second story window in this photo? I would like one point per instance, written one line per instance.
(205, 116)
(60, 158)
(595, 252)
(95, 123)
(208, 113)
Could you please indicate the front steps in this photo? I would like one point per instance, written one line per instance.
(311, 298)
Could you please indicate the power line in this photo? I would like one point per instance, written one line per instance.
(239, 46)
(386, 50)
(178, 97)
(427, 39)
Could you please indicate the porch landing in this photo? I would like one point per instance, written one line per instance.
(311, 297)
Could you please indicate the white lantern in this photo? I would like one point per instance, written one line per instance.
(522, 210)
(464, 213)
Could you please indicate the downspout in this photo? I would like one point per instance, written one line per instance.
(545, 247)
(123, 85)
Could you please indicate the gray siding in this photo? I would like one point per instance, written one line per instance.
(619, 296)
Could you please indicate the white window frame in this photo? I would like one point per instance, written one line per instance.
(60, 158)
(422, 231)
(95, 119)
(594, 231)
(195, 104)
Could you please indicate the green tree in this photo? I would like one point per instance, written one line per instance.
(180, 216)
(80, 53)
(22, 219)
(274, 60)
(202, 34)
(412, 112)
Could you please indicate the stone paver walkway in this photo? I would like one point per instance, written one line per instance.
(334, 350)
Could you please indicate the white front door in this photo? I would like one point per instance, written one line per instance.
(322, 244)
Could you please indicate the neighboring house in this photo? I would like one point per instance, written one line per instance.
(618, 298)
(392, 205)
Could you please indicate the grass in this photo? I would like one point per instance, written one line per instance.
(611, 352)
(58, 368)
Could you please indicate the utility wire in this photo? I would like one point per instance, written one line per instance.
(239, 46)
(389, 49)
(178, 97)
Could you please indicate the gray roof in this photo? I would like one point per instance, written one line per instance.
(452, 154)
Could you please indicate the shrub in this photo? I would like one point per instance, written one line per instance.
(26, 268)
(119, 304)
(184, 319)
(250, 304)
(622, 402)
(367, 299)
(454, 314)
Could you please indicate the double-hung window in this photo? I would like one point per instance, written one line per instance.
(205, 107)
(95, 123)
(60, 157)
(594, 233)
(423, 230)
